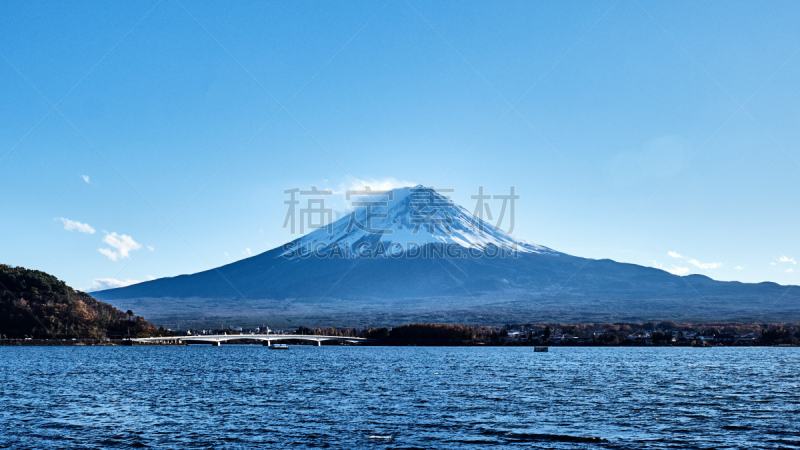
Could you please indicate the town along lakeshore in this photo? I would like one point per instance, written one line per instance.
(538, 334)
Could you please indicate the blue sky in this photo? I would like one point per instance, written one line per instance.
(150, 139)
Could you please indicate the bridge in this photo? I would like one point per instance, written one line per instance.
(267, 339)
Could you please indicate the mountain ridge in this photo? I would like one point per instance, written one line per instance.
(284, 286)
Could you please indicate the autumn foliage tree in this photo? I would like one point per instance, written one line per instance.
(38, 305)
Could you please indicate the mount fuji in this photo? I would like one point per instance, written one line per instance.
(416, 257)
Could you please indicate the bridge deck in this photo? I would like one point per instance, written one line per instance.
(218, 338)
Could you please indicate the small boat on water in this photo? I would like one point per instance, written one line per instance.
(541, 349)
(279, 347)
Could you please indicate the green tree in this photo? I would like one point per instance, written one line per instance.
(39, 305)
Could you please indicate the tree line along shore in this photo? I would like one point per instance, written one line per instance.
(550, 334)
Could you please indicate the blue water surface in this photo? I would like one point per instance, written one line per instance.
(241, 396)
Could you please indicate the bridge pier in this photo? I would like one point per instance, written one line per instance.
(266, 343)
(216, 343)
(319, 343)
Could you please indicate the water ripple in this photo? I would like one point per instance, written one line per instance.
(241, 397)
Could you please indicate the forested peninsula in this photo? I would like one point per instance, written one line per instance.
(37, 305)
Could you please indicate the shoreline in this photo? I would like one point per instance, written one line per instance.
(128, 343)
(75, 343)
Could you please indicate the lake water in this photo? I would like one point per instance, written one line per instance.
(382, 397)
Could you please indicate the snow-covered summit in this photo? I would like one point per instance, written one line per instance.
(418, 215)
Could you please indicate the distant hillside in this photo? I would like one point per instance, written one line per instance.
(38, 305)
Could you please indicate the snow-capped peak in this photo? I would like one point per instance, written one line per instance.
(418, 215)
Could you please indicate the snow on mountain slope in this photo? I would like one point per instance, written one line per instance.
(417, 215)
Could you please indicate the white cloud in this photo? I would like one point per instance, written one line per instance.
(789, 270)
(738, 268)
(85, 178)
(338, 200)
(72, 225)
(247, 252)
(694, 262)
(226, 255)
(713, 265)
(109, 283)
(150, 277)
(785, 259)
(123, 244)
(112, 255)
(150, 247)
(675, 270)
(383, 184)
(772, 264)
